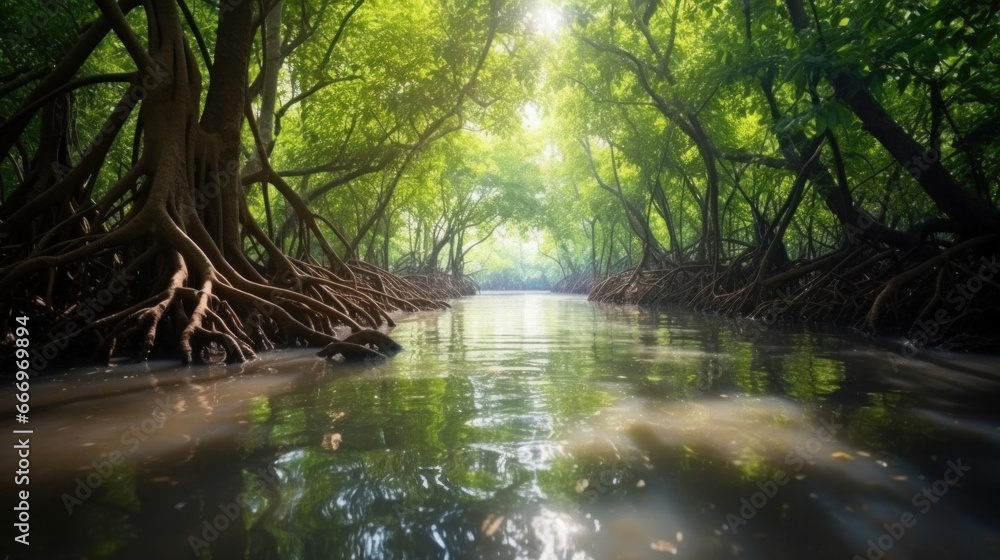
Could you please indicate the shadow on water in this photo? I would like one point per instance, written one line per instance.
(528, 426)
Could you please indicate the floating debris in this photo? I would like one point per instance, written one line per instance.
(491, 524)
(664, 546)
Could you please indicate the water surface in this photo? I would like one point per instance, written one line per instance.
(527, 426)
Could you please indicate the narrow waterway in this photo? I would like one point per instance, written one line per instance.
(527, 425)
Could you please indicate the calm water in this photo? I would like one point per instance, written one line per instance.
(526, 426)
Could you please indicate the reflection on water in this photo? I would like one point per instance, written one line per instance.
(527, 426)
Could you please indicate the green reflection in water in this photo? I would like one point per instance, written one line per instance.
(538, 426)
(443, 442)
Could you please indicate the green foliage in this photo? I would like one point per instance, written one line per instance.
(425, 123)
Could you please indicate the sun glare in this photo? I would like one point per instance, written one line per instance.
(531, 116)
(546, 19)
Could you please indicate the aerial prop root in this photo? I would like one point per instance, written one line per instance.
(864, 285)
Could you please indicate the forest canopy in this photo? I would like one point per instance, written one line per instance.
(199, 177)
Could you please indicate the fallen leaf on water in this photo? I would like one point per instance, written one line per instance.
(899, 477)
(664, 546)
(491, 524)
(581, 485)
(842, 455)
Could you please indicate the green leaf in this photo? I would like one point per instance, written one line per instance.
(903, 82)
(821, 121)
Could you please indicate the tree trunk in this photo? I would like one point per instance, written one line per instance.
(175, 262)
(972, 215)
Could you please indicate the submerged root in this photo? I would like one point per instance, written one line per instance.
(576, 283)
(142, 298)
(444, 286)
(948, 299)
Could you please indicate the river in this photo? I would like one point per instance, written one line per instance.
(527, 425)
